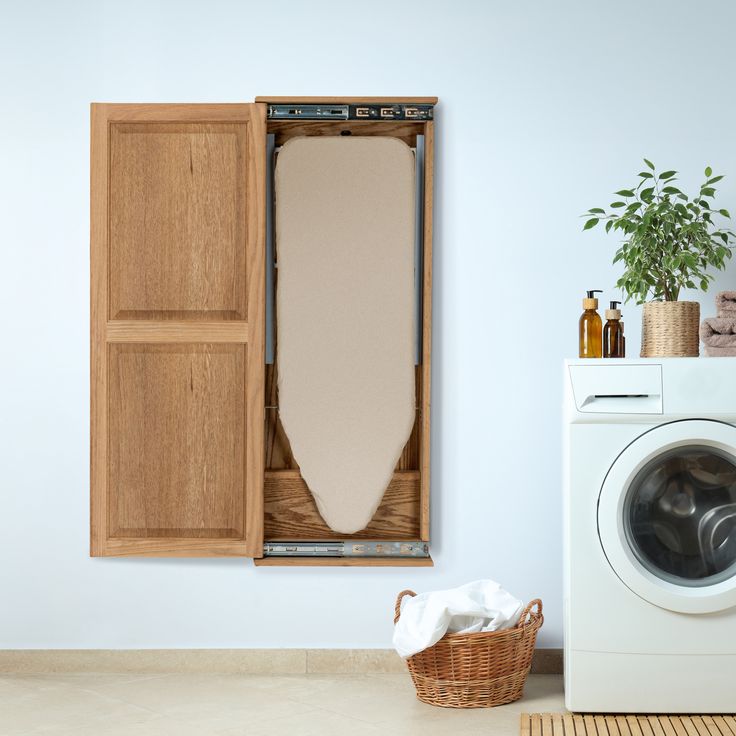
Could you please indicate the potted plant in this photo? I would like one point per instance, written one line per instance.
(670, 242)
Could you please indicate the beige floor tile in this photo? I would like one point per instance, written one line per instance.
(221, 700)
(54, 707)
(155, 725)
(247, 705)
(316, 722)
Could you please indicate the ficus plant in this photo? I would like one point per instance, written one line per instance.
(670, 239)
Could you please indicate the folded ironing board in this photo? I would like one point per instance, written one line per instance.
(345, 210)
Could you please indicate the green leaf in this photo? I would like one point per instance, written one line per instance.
(616, 205)
(591, 223)
(645, 175)
(651, 165)
(646, 194)
(714, 179)
(707, 192)
(671, 190)
(725, 213)
(625, 193)
(708, 171)
(667, 174)
(609, 225)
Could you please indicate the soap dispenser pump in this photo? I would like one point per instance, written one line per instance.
(613, 333)
(590, 327)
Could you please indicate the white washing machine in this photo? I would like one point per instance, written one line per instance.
(650, 535)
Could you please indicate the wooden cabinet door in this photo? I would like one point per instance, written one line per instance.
(177, 333)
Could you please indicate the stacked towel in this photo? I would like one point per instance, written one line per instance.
(718, 334)
(726, 304)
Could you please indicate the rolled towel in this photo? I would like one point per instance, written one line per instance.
(718, 332)
(726, 303)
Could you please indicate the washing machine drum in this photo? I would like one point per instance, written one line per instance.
(667, 516)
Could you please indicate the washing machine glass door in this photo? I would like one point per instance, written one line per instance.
(667, 516)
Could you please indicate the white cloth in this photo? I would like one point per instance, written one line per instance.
(482, 605)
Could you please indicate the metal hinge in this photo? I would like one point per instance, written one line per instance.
(351, 112)
(350, 548)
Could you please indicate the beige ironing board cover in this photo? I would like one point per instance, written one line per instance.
(345, 211)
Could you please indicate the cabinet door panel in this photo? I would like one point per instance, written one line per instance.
(177, 338)
(177, 220)
(177, 440)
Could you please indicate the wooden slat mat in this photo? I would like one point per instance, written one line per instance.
(567, 724)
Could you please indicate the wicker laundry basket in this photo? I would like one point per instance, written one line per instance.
(477, 670)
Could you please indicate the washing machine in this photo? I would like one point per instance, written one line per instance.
(650, 535)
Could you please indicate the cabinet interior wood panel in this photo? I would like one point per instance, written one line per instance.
(177, 220)
(177, 440)
(290, 512)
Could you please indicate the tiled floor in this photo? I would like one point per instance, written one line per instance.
(247, 705)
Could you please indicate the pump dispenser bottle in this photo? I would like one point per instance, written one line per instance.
(590, 327)
(613, 333)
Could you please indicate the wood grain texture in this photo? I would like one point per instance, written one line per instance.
(175, 331)
(426, 383)
(176, 418)
(177, 402)
(256, 307)
(291, 514)
(99, 154)
(344, 562)
(573, 724)
(174, 112)
(177, 220)
(174, 547)
(278, 100)
(409, 459)
(284, 130)
(278, 449)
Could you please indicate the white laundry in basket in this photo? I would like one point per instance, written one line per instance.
(482, 605)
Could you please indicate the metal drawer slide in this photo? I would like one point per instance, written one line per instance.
(350, 548)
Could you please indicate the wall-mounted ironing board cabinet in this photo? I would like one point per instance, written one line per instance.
(192, 208)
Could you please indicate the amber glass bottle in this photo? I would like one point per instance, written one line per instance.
(590, 327)
(613, 333)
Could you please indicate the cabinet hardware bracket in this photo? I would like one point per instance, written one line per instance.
(349, 548)
(385, 112)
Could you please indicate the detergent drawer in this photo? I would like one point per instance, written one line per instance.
(617, 389)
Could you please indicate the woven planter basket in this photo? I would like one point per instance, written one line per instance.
(476, 670)
(670, 330)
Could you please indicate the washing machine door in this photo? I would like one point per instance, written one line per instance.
(667, 516)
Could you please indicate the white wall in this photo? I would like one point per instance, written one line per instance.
(546, 108)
